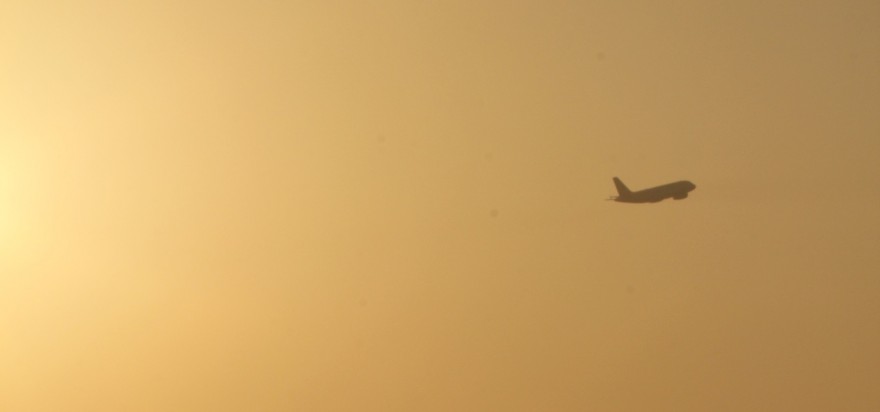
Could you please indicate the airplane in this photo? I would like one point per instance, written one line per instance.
(678, 190)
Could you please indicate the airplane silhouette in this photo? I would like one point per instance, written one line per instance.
(677, 190)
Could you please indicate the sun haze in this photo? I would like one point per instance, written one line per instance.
(399, 206)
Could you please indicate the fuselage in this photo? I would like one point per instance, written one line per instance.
(677, 190)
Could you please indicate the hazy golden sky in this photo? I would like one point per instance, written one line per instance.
(398, 206)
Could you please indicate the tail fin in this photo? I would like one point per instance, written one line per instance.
(622, 190)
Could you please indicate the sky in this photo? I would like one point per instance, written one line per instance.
(399, 205)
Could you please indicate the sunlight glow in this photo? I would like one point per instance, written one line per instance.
(15, 194)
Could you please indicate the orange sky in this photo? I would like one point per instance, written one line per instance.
(398, 206)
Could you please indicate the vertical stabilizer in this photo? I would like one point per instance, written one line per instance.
(622, 190)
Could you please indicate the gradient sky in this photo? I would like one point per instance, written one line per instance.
(398, 206)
